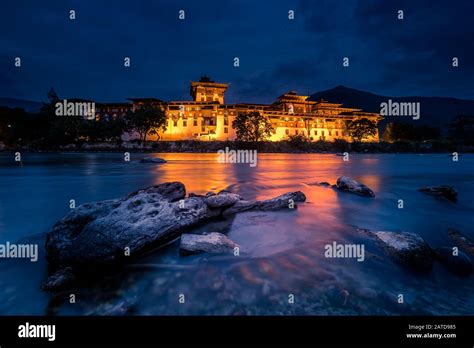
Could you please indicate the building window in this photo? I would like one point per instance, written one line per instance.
(195, 122)
(226, 121)
(185, 123)
(287, 131)
(322, 133)
(226, 130)
(175, 123)
(315, 132)
(203, 129)
(296, 131)
(329, 133)
(337, 133)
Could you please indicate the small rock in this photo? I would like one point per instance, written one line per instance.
(347, 184)
(277, 203)
(462, 241)
(460, 264)
(214, 243)
(407, 249)
(60, 280)
(152, 160)
(447, 192)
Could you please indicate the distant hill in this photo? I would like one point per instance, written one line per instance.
(435, 111)
(27, 105)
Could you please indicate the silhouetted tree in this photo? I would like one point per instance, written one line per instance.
(252, 126)
(395, 131)
(148, 119)
(103, 129)
(361, 129)
(461, 130)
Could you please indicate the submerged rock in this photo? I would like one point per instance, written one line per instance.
(152, 160)
(324, 183)
(407, 249)
(114, 231)
(462, 241)
(347, 184)
(62, 279)
(214, 243)
(459, 264)
(284, 201)
(447, 192)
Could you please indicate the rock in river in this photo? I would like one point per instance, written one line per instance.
(214, 243)
(117, 230)
(444, 191)
(62, 279)
(462, 241)
(152, 160)
(407, 249)
(459, 264)
(284, 201)
(347, 184)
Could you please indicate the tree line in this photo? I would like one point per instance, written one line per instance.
(45, 129)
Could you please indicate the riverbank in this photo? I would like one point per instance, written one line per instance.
(193, 146)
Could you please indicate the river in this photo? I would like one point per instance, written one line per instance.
(281, 270)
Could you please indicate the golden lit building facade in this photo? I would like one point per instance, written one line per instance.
(207, 117)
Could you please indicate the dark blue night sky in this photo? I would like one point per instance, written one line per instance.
(84, 57)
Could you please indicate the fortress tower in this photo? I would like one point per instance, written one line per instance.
(206, 90)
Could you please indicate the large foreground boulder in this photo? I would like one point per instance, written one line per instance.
(406, 249)
(114, 231)
(347, 184)
(213, 243)
(446, 192)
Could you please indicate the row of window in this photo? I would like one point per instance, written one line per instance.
(210, 122)
(315, 132)
(203, 128)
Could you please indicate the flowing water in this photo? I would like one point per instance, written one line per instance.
(282, 253)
